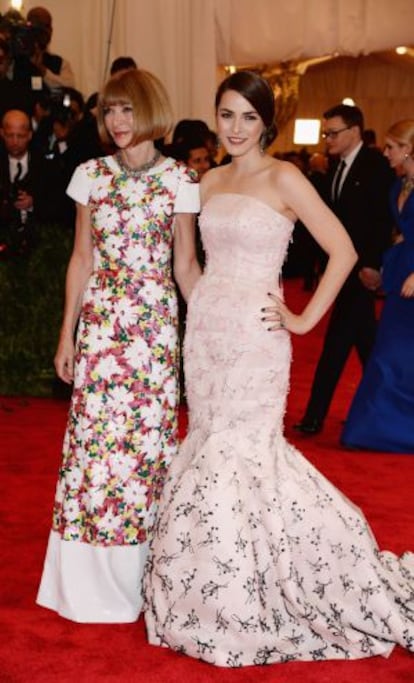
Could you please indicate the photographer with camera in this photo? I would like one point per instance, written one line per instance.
(54, 69)
(12, 95)
(29, 63)
(20, 79)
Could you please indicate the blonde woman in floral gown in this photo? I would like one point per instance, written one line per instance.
(122, 426)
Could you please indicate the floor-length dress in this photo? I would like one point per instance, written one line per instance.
(122, 425)
(256, 557)
(381, 416)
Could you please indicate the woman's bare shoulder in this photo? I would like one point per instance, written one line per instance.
(284, 171)
(282, 183)
(211, 182)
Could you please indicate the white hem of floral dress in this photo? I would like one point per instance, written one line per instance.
(92, 584)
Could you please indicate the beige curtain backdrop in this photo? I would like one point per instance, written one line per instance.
(279, 30)
(175, 39)
(184, 41)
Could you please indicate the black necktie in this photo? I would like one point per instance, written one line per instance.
(19, 172)
(337, 181)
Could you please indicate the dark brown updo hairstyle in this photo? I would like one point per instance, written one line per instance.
(258, 92)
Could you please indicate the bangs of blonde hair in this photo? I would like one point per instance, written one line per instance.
(151, 108)
(402, 132)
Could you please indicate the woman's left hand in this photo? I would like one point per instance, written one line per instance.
(280, 317)
(407, 290)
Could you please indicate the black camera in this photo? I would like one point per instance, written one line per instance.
(22, 36)
(15, 188)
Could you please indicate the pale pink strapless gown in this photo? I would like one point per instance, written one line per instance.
(257, 558)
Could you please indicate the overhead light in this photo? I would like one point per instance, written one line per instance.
(349, 101)
(306, 131)
(17, 4)
(401, 50)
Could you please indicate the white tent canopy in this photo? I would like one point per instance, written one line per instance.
(251, 31)
(183, 41)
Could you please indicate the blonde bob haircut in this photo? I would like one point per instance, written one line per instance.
(402, 132)
(151, 108)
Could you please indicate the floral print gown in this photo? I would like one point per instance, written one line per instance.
(256, 557)
(122, 427)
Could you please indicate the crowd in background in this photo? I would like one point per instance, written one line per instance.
(118, 350)
(48, 128)
(56, 129)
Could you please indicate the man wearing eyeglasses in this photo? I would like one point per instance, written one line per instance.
(358, 191)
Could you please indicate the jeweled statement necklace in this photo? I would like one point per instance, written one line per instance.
(407, 184)
(136, 171)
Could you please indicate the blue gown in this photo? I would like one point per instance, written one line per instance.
(381, 416)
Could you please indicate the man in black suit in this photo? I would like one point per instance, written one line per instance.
(30, 186)
(358, 191)
(16, 188)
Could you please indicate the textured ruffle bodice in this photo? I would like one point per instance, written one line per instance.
(246, 243)
(246, 239)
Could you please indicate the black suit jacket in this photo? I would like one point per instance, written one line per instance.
(30, 182)
(43, 181)
(363, 206)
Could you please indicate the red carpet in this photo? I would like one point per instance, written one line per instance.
(38, 646)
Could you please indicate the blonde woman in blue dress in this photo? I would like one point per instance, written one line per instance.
(381, 417)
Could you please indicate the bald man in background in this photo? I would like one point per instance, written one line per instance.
(31, 189)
